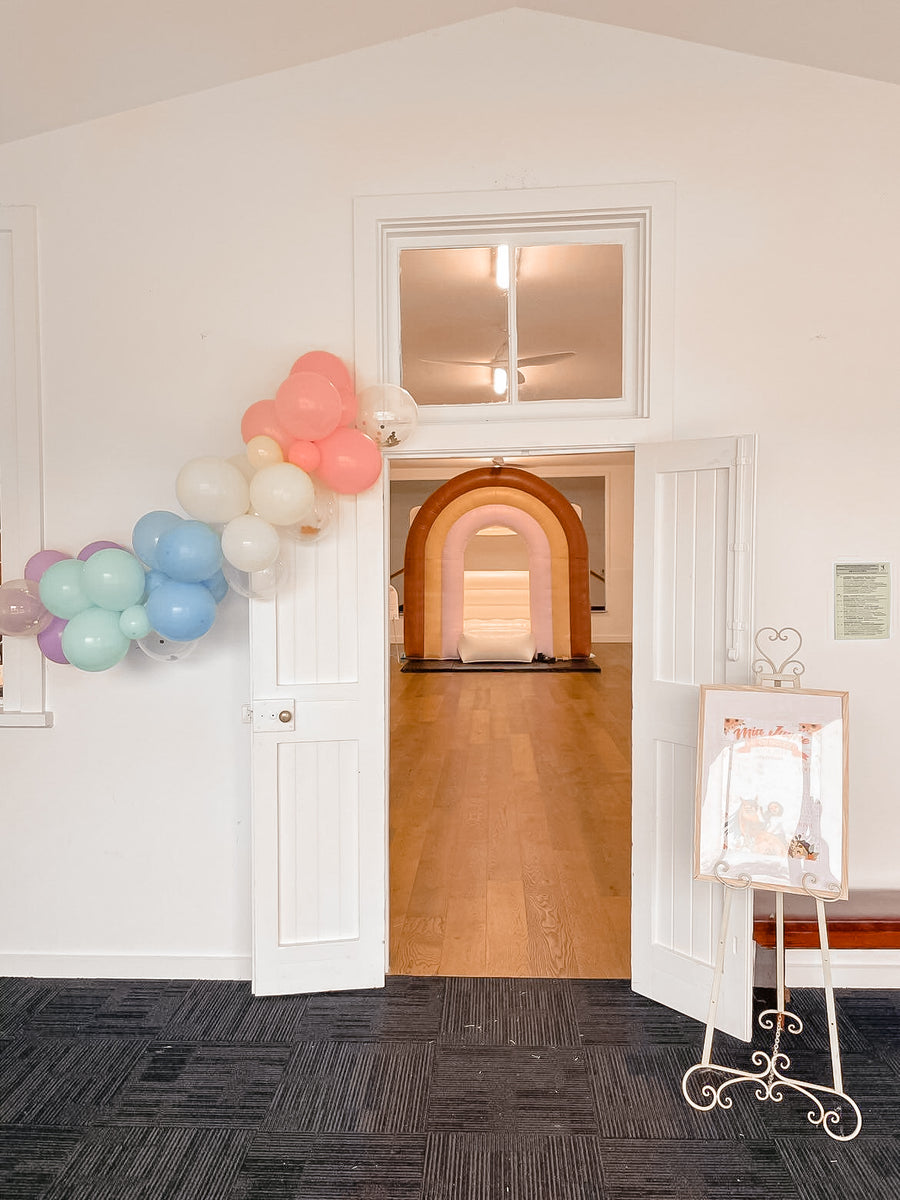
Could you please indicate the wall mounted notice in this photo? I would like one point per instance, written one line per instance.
(862, 601)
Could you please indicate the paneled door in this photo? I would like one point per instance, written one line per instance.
(319, 679)
(693, 587)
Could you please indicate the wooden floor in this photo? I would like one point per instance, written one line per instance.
(510, 850)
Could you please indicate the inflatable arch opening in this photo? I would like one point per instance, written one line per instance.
(557, 552)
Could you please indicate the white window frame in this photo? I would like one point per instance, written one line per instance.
(638, 216)
(21, 477)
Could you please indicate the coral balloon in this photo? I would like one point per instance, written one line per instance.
(387, 414)
(308, 406)
(38, 563)
(351, 462)
(50, 641)
(261, 420)
(262, 451)
(62, 588)
(93, 641)
(147, 532)
(113, 579)
(335, 370)
(304, 455)
(250, 543)
(190, 553)
(212, 490)
(22, 612)
(282, 494)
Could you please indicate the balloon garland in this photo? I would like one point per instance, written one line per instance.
(314, 440)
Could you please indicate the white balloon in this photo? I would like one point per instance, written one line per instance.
(249, 543)
(212, 490)
(387, 414)
(282, 493)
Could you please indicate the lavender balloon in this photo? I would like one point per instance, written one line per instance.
(38, 563)
(93, 547)
(50, 641)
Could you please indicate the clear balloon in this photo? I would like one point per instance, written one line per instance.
(212, 490)
(250, 543)
(147, 532)
(155, 646)
(282, 494)
(92, 548)
(256, 585)
(134, 622)
(180, 611)
(38, 563)
(262, 419)
(62, 588)
(190, 553)
(387, 414)
(262, 451)
(351, 462)
(93, 641)
(308, 406)
(50, 641)
(321, 362)
(317, 522)
(22, 612)
(113, 579)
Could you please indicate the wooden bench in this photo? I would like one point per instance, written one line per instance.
(868, 920)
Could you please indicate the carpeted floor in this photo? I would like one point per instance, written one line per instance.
(433, 1089)
(419, 665)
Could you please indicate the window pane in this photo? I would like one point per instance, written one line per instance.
(569, 322)
(453, 326)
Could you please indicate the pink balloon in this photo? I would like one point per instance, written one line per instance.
(50, 641)
(308, 406)
(305, 455)
(38, 563)
(22, 613)
(93, 547)
(335, 370)
(260, 420)
(351, 462)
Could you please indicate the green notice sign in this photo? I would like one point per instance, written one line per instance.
(862, 601)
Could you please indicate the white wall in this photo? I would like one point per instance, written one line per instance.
(189, 251)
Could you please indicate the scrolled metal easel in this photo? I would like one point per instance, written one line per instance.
(771, 1081)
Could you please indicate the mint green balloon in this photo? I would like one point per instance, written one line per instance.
(93, 641)
(113, 579)
(134, 622)
(62, 588)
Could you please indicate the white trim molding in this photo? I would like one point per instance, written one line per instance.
(126, 966)
(21, 498)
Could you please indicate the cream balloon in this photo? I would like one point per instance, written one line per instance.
(250, 543)
(263, 451)
(243, 465)
(212, 490)
(282, 494)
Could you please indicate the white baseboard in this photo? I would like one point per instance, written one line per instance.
(126, 966)
(849, 968)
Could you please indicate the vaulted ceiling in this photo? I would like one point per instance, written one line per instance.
(67, 61)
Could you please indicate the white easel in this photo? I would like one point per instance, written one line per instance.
(770, 1079)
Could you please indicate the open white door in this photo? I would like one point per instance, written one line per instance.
(318, 782)
(693, 576)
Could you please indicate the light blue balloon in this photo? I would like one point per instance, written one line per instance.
(190, 552)
(153, 579)
(62, 588)
(181, 612)
(113, 579)
(218, 585)
(134, 622)
(148, 531)
(93, 641)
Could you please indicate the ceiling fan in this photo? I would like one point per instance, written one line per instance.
(500, 359)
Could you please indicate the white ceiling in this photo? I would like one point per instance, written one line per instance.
(67, 61)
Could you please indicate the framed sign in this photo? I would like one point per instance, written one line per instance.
(772, 789)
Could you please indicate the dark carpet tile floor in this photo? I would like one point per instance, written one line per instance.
(430, 1089)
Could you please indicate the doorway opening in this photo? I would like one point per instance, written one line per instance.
(510, 790)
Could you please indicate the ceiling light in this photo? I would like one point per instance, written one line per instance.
(500, 380)
(501, 267)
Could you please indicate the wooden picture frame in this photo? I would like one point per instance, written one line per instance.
(772, 789)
